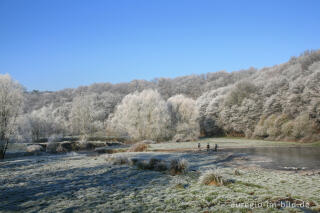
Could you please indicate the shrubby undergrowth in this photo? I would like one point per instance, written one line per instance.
(174, 167)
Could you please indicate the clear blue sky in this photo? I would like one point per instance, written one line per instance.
(56, 44)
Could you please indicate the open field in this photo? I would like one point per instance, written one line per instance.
(85, 183)
(226, 142)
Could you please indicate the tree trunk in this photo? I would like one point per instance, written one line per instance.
(1, 154)
(3, 150)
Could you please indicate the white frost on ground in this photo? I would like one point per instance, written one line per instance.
(81, 183)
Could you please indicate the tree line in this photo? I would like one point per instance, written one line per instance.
(275, 103)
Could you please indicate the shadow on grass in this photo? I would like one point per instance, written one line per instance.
(37, 193)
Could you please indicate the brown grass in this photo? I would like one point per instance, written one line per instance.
(178, 166)
(213, 178)
(139, 147)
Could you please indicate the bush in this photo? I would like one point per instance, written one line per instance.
(35, 149)
(143, 164)
(272, 126)
(303, 127)
(52, 147)
(152, 164)
(287, 129)
(237, 172)
(138, 147)
(157, 164)
(178, 166)
(118, 159)
(65, 147)
(212, 178)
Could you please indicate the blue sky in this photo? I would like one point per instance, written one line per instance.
(51, 45)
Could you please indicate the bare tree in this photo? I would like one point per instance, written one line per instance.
(11, 99)
(82, 115)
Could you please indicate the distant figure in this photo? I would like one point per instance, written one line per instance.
(199, 147)
(216, 147)
(208, 147)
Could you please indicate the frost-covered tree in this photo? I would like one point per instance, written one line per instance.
(246, 102)
(11, 100)
(81, 116)
(209, 105)
(184, 117)
(44, 123)
(143, 115)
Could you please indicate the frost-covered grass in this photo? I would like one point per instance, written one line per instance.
(225, 142)
(212, 177)
(80, 183)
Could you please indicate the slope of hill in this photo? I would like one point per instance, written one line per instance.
(278, 103)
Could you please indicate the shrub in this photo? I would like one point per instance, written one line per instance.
(35, 149)
(143, 164)
(157, 164)
(65, 147)
(160, 166)
(138, 147)
(118, 159)
(287, 129)
(237, 172)
(52, 147)
(178, 166)
(152, 164)
(212, 178)
(303, 127)
(271, 126)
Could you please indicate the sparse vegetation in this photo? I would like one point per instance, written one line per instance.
(178, 166)
(52, 147)
(139, 147)
(213, 178)
(118, 159)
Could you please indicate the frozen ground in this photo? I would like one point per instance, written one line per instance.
(225, 142)
(81, 183)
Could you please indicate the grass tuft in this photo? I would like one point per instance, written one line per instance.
(178, 166)
(118, 159)
(213, 178)
(139, 147)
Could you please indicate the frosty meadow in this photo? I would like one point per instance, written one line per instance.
(228, 142)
